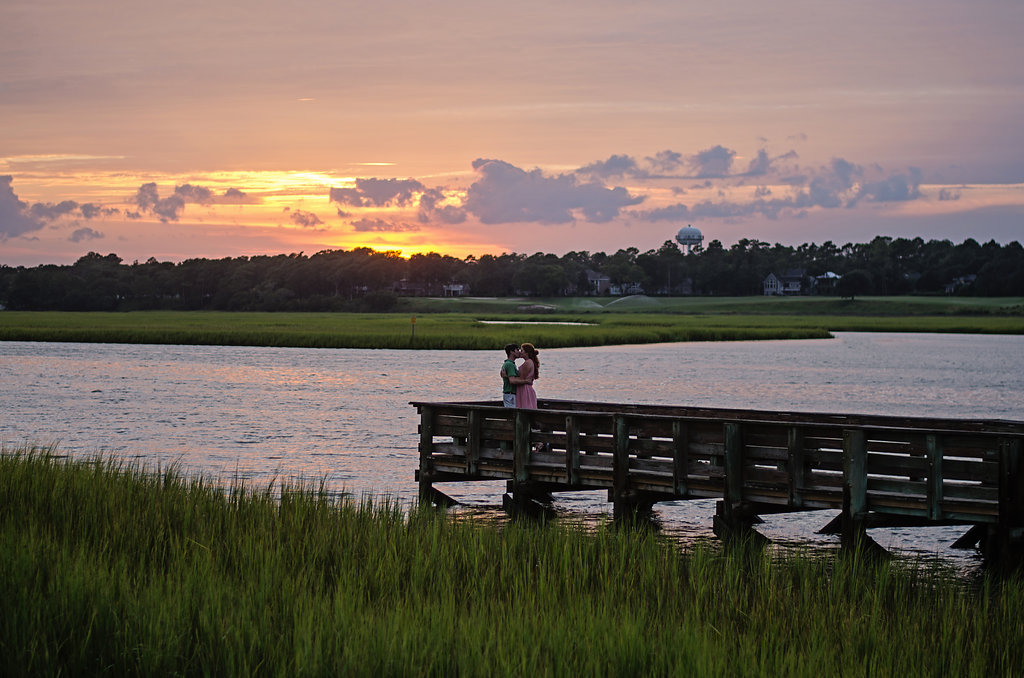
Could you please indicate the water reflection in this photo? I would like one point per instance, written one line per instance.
(343, 416)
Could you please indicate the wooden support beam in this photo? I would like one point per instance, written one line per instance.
(855, 485)
(934, 446)
(474, 443)
(680, 457)
(620, 466)
(734, 519)
(1005, 548)
(521, 448)
(732, 523)
(733, 463)
(971, 538)
(439, 498)
(572, 450)
(426, 452)
(797, 467)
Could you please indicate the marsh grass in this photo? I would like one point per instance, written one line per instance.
(380, 330)
(462, 330)
(111, 569)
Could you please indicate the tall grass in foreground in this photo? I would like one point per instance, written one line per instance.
(110, 569)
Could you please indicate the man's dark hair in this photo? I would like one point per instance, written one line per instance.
(511, 347)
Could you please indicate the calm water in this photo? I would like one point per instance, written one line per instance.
(343, 415)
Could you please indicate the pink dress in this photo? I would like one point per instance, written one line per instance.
(526, 397)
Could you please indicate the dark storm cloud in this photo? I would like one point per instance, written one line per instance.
(381, 226)
(305, 219)
(897, 188)
(52, 212)
(430, 211)
(763, 164)
(18, 217)
(91, 210)
(196, 194)
(615, 166)
(377, 192)
(840, 184)
(666, 162)
(713, 163)
(507, 194)
(234, 196)
(147, 199)
(83, 234)
(14, 220)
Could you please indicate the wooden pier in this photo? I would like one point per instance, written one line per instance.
(877, 471)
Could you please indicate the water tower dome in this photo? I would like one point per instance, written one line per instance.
(689, 236)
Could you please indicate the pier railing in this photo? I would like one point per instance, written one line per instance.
(876, 470)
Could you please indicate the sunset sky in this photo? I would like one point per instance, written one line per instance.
(205, 128)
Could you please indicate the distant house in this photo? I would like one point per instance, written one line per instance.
(407, 288)
(454, 290)
(625, 288)
(826, 283)
(597, 283)
(960, 283)
(790, 282)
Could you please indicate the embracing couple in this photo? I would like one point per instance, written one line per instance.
(517, 382)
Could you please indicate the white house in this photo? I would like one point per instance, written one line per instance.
(790, 282)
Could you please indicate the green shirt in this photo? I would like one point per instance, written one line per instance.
(508, 369)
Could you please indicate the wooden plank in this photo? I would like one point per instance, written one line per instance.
(980, 471)
(977, 492)
(758, 474)
(759, 436)
(591, 443)
(707, 450)
(908, 487)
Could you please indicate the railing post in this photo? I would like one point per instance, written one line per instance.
(726, 522)
(426, 469)
(934, 446)
(855, 485)
(572, 450)
(733, 464)
(1009, 537)
(473, 443)
(620, 466)
(797, 467)
(680, 457)
(521, 448)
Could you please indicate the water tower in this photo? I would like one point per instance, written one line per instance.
(689, 237)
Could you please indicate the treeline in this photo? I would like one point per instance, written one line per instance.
(366, 279)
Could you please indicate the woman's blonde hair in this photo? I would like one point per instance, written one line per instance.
(531, 354)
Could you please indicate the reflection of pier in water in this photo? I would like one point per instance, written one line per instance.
(878, 471)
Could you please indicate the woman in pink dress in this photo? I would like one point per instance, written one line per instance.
(526, 397)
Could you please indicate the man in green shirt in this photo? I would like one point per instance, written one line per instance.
(509, 369)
